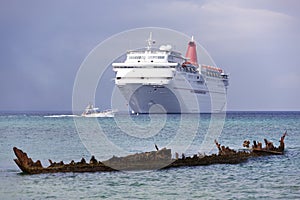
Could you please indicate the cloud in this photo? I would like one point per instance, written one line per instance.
(245, 21)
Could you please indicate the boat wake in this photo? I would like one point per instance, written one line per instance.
(59, 116)
(90, 116)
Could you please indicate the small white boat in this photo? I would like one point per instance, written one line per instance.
(91, 111)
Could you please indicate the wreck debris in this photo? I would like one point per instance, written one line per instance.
(159, 159)
(141, 161)
(246, 143)
(269, 148)
(224, 150)
(29, 167)
(281, 146)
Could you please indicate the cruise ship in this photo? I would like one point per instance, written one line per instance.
(162, 80)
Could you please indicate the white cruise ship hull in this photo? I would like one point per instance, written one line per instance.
(174, 97)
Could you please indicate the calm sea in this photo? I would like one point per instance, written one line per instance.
(55, 136)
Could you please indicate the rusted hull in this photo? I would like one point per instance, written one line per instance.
(160, 159)
(264, 152)
(29, 167)
(236, 158)
(109, 166)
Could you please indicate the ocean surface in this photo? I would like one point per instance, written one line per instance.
(61, 136)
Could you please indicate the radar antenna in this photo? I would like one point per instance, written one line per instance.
(150, 41)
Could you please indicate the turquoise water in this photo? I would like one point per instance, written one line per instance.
(274, 177)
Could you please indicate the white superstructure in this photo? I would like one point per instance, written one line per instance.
(162, 80)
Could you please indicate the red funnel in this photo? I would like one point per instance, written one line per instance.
(191, 52)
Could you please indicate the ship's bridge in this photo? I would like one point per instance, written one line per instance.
(148, 66)
(152, 58)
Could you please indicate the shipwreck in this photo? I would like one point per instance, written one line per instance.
(159, 159)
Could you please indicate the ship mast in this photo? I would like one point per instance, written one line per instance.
(150, 41)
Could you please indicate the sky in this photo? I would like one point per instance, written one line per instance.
(43, 44)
